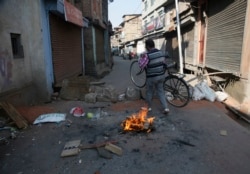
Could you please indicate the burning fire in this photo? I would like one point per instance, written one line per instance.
(138, 121)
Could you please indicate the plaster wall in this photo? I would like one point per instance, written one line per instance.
(132, 27)
(24, 18)
(240, 90)
(244, 98)
(151, 7)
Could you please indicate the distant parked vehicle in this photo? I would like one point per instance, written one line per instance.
(132, 55)
(125, 56)
(115, 51)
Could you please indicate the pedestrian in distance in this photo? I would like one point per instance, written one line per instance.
(155, 75)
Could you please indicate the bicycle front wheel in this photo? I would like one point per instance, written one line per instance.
(137, 75)
(176, 91)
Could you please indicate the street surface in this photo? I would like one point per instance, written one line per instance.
(200, 138)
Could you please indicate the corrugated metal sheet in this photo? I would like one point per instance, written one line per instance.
(66, 49)
(226, 20)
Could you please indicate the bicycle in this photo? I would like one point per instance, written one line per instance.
(176, 88)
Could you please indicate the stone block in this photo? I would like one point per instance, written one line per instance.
(133, 93)
(90, 98)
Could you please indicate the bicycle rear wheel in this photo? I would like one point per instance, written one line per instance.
(137, 75)
(176, 91)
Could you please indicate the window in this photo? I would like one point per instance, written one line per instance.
(145, 5)
(160, 12)
(151, 18)
(17, 48)
(152, 2)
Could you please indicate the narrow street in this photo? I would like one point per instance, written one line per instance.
(198, 139)
(119, 77)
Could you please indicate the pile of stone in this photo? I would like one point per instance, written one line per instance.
(85, 89)
(107, 93)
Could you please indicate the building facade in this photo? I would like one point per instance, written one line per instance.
(130, 31)
(43, 43)
(213, 39)
(97, 37)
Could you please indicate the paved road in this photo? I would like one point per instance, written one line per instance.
(119, 76)
(197, 139)
(221, 143)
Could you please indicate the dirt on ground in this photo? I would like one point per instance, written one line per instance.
(199, 138)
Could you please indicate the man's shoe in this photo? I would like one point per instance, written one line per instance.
(166, 111)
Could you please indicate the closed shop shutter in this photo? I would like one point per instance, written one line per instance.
(226, 20)
(66, 49)
(172, 48)
(100, 45)
(160, 43)
(188, 44)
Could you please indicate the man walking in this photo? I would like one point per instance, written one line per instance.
(155, 72)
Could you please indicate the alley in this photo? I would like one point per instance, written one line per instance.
(197, 139)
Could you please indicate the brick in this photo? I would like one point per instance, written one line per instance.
(113, 148)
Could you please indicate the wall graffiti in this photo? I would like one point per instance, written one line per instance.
(5, 69)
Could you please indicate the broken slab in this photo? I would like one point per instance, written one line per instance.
(75, 88)
(104, 153)
(113, 148)
(90, 98)
(132, 93)
(71, 148)
(109, 94)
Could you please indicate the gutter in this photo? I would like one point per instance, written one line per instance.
(241, 110)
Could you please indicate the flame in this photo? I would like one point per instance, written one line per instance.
(138, 121)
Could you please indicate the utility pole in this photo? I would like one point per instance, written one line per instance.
(179, 36)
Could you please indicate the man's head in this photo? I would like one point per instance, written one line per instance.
(149, 44)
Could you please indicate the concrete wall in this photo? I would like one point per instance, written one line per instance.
(240, 90)
(132, 27)
(86, 8)
(150, 8)
(24, 18)
(96, 38)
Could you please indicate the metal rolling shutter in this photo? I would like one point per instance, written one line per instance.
(160, 43)
(188, 44)
(66, 49)
(226, 20)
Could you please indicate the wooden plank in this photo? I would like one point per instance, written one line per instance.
(14, 115)
(71, 148)
(208, 78)
(97, 145)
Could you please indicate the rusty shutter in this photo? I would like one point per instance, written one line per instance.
(66, 49)
(226, 20)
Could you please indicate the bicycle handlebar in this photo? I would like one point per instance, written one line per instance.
(171, 65)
